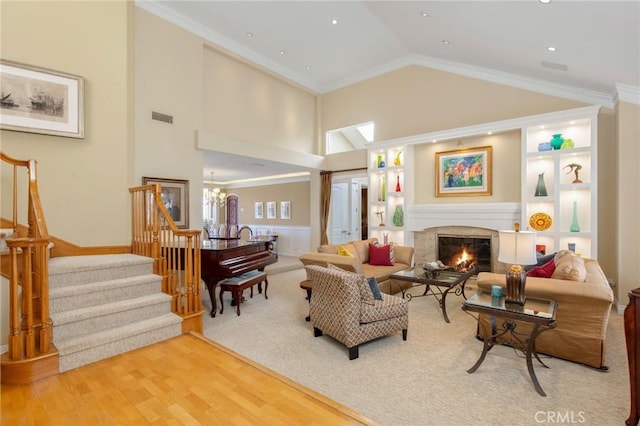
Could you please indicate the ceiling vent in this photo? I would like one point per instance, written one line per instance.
(554, 66)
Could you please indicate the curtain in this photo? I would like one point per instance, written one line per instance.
(325, 204)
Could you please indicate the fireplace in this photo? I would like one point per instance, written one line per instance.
(463, 253)
(427, 247)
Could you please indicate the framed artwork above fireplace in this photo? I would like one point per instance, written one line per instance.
(463, 172)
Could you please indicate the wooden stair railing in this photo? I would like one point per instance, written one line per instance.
(31, 355)
(176, 253)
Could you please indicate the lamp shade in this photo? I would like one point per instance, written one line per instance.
(517, 248)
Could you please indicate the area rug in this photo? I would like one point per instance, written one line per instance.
(424, 380)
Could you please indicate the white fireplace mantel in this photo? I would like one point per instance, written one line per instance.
(495, 216)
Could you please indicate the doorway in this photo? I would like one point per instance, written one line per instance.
(346, 210)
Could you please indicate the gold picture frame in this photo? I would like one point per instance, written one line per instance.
(175, 197)
(464, 172)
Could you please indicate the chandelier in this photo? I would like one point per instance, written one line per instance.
(214, 196)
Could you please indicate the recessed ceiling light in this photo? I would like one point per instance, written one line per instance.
(249, 35)
(282, 52)
(545, 1)
(308, 67)
(551, 49)
(445, 41)
(489, 133)
(425, 14)
(334, 21)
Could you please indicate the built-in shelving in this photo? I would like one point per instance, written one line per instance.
(386, 193)
(564, 188)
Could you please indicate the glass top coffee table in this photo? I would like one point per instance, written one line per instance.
(539, 313)
(443, 279)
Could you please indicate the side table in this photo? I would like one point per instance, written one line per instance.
(540, 313)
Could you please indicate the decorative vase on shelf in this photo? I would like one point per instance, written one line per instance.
(398, 216)
(398, 161)
(567, 144)
(380, 162)
(544, 146)
(398, 188)
(556, 141)
(575, 226)
(384, 188)
(541, 189)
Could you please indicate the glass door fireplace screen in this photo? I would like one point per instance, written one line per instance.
(464, 253)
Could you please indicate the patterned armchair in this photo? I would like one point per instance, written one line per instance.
(343, 307)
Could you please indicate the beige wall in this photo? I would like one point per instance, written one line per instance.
(628, 202)
(168, 80)
(242, 101)
(506, 168)
(83, 182)
(415, 100)
(296, 192)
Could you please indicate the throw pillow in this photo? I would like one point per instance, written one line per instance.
(543, 271)
(375, 290)
(541, 260)
(569, 267)
(380, 255)
(366, 296)
(342, 251)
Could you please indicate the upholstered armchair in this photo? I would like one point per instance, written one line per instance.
(343, 306)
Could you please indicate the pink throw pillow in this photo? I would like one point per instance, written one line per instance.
(380, 255)
(543, 271)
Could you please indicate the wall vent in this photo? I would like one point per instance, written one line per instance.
(161, 117)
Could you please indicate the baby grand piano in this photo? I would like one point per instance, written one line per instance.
(220, 259)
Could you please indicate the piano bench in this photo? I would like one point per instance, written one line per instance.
(237, 285)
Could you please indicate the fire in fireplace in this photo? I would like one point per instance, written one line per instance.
(465, 253)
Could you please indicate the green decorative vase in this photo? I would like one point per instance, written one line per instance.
(575, 226)
(541, 189)
(398, 216)
(556, 141)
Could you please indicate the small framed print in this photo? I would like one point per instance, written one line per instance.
(258, 210)
(175, 197)
(271, 209)
(285, 209)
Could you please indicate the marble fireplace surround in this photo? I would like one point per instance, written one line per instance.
(465, 220)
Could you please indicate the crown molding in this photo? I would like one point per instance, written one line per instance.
(607, 100)
(628, 93)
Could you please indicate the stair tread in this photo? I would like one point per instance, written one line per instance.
(84, 313)
(67, 264)
(92, 340)
(102, 285)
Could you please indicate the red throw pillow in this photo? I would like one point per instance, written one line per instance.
(380, 255)
(543, 271)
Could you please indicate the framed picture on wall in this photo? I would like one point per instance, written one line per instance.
(258, 210)
(285, 209)
(271, 209)
(39, 100)
(175, 197)
(463, 172)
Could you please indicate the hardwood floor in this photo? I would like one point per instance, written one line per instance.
(185, 380)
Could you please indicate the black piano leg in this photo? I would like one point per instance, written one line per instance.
(212, 297)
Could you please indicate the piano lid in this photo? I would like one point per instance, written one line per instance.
(228, 244)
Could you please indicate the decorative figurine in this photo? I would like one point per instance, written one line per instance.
(575, 168)
(381, 214)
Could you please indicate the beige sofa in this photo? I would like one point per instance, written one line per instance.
(582, 314)
(359, 262)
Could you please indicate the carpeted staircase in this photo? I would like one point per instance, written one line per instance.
(105, 305)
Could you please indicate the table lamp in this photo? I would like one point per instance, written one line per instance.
(516, 249)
